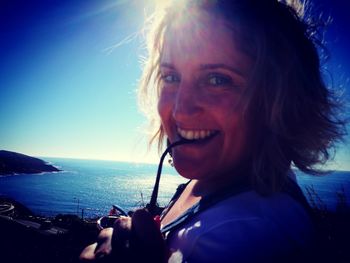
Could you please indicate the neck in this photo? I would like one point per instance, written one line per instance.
(230, 180)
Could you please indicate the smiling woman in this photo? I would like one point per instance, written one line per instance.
(239, 81)
(201, 89)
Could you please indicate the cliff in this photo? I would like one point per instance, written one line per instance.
(12, 163)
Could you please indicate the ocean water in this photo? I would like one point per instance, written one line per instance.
(89, 188)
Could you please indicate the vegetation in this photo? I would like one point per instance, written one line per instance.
(20, 243)
(14, 163)
(333, 227)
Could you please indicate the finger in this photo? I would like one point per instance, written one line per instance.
(123, 223)
(146, 229)
(88, 254)
(100, 249)
(121, 238)
(104, 243)
(147, 239)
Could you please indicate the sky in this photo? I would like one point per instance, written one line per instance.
(69, 72)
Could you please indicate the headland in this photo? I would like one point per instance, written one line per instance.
(17, 163)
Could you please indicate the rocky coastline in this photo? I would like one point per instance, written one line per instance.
(17, 163)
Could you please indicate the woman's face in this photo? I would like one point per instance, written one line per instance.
(203, 78)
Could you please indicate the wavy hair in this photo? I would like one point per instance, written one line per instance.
(294, 115)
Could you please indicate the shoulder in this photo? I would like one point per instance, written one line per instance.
(279, 210)
(243, 223)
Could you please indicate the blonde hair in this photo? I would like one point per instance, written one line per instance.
(294, 115)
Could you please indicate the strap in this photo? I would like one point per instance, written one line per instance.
(291, 188)
(202, 205)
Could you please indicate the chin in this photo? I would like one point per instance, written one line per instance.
(190, 171)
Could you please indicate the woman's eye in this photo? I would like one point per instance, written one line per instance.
(218, 80)
(170, 78)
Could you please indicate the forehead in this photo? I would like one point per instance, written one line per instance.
(198, 35)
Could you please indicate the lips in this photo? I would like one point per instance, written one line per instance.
(196, 135)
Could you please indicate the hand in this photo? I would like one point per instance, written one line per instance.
(100, 249)
(135, 239)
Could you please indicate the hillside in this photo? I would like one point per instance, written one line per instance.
(13, 163)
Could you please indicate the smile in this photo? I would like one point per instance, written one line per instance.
(196, 134)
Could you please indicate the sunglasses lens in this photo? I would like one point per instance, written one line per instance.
(106, 221)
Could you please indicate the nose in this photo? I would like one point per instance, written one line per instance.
(187, 102)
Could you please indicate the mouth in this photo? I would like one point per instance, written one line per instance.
(196, 136)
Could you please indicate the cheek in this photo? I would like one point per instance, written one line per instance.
(225, 103)
(233, 126)
(236, 142)
(165, 105)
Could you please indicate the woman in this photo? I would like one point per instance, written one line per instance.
(240, 81)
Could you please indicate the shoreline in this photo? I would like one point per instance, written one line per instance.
(18, 163)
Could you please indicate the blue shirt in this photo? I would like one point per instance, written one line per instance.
(246, 227)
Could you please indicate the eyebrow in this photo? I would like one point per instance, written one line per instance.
(224, 66)
(208, 67)
(167, 65)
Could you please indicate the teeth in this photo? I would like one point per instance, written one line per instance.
(194, 134)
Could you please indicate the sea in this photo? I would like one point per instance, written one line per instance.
(89, 188)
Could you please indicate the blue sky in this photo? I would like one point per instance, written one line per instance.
(64, 94)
